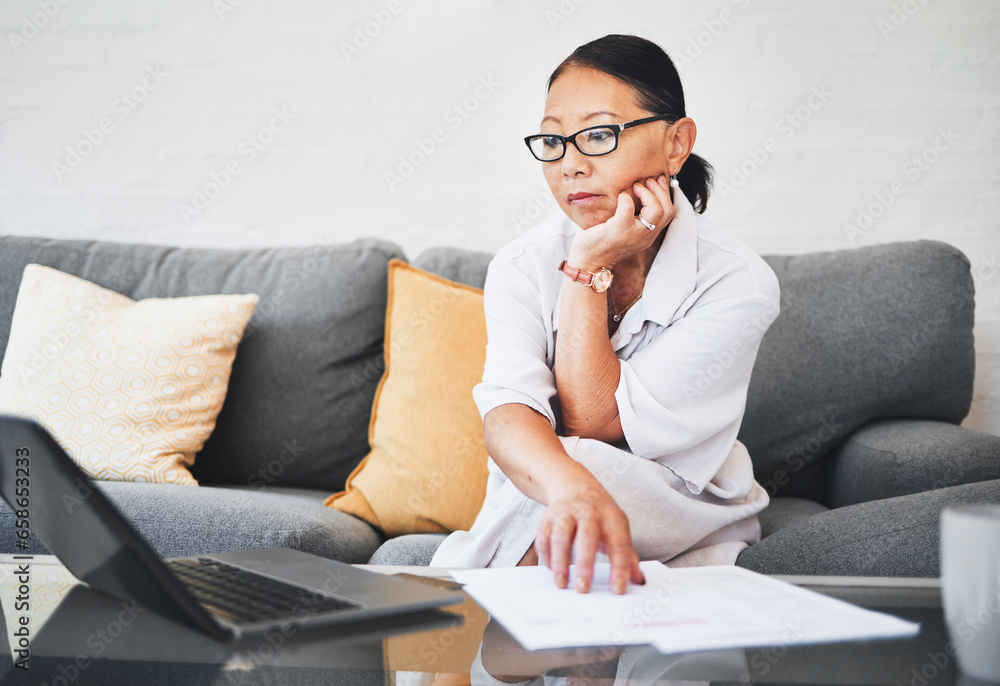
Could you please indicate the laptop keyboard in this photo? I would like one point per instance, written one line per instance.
(242, 596)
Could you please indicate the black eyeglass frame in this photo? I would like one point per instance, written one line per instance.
(616, 128)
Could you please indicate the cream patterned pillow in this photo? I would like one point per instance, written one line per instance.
(130, 389)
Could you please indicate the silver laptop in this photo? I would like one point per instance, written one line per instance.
(226, 595)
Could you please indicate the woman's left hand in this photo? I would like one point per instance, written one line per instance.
(624, 235)
(580, 520)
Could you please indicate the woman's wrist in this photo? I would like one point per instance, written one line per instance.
(588, 263)
(580, 485)
(592, 249)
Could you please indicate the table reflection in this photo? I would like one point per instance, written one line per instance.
(80, 636)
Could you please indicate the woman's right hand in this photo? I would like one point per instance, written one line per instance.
(580, 516)
(623, 235)
(580, 521)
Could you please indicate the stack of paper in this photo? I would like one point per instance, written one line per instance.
(677, 610)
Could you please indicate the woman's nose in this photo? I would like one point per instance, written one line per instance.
(574, 162)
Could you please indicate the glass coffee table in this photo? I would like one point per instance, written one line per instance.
(87, 637)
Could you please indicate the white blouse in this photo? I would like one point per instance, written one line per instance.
(686, 350)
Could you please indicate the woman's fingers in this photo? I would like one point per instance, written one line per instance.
(625, 212)
(661, 189)
(573, 531)
(654, 193)
(561, 538)
(650, 210)
(542, 543)
(618, 546)
(637, 576)
(588, 540)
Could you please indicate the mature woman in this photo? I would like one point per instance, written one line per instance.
(622, 333)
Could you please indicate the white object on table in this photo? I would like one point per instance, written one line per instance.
(970, 587)
(677, 610)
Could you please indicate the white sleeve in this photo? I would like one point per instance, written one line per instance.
(518, 344)
(681, 398)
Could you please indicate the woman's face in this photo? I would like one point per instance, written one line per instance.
(587, 188)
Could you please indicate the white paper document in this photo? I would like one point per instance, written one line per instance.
(677, 610)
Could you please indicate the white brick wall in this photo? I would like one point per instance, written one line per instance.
(897, 72)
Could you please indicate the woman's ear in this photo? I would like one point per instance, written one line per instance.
(681, 143)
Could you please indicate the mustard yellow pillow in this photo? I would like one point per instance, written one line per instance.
(131, 390)
(426, 472)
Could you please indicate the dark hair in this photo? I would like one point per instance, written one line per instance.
(649, 71)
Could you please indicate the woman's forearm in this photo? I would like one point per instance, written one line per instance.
(580, 517)
(527, 450)
(586, 368)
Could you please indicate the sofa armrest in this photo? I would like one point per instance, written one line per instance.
(893, 457)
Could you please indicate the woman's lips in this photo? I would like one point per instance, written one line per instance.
(581, 198)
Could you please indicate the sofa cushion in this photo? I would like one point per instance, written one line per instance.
(194, 520)
(890, 537)
(877, 332)
(302, 385)
(412, 550)
(894, 457)
(782, 512)
(418, 549)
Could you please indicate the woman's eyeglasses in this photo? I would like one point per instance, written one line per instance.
(593, 141)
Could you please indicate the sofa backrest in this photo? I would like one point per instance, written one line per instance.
(868, 333)
(305, 374)
(877, 332)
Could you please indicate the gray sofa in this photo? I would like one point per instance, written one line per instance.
(852, 415)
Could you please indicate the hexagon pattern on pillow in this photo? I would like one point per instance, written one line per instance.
(49, 584)
(131, 390)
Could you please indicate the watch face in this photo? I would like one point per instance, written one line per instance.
(602, 280)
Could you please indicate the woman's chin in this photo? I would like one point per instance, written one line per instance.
(587, 218)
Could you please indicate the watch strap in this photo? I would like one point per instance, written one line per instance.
(599, 282)
(586, 278)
